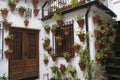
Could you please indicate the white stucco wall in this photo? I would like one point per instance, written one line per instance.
(36, 23)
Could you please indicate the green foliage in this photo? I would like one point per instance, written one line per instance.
(11, 1)
(74, 3)
(9, 50)
(66, 54)
(46, 26)
(58, 37)
(79, 17)
(54, 27)
(45, 57)
(99, 54)
(6, 21)
(10, 36)
(57, 16)
(3, 77)
(71, 68)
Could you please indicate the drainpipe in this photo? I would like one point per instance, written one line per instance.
(43, 7)
(87, 30)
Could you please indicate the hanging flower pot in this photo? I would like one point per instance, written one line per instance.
(9, 39)
(46, 59)
(47, 28)
(67, 56)
(81, 36)
(36, 11)
(6, 24)
(47, 41)
(82, 66)
(97, 33)
(49, 49)
(54, 56)
(59, 40)
(8, 53)
(4, 12)
(97, 45)
(62, 68)
(109, 53)
(35, 2)
(76, 47)
(58, 18)
(12, 4)
(80, 21)
(96, 19)
(26, 22)
(21, 10)
(99, 56)
(54, 29)
(66, 30)
(72, 70)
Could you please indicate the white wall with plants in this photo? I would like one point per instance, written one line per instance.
(46, 63)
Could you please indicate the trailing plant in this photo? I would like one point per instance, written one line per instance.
(74, 3)
(57, 16)
(10, 36)
(47, 28)
(46, 59)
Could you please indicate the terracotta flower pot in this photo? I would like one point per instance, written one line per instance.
(97, 33)
(59, 41)
(109, 53)
(8, 41)
(81, 23)
(62, 68)
(82, 37)
(12, 6)
(21, 11)
(46, 61)
(59, 22)
(8, 54)
(53, 32)
(35, 2)
(82, 66)
(66, 30)
(99, 60)
(47, 30)
(4, 13)
(76, 48)
(73, 73)
(36, 11)
(54, 58)
(26, 22)
(96, 19)
(7, 26)
(68, 58)
(97, 45)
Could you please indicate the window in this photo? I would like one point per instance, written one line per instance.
(67, 41)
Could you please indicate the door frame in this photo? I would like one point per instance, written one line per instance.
(37, 44)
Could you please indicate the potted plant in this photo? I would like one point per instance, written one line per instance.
(4, 12)
(74, 3)
(58, 18)
(12, 4)
(49, 49)
(35, 2)
(8, 53)
(72, 70)
(26, 22)
(97, 44)
(9, 38)
(47, 41)
(67, 56)
(59, 40)
(36, 11)
(66, 30)
(54, 69)
(99, 56)
(6, 24)
(21, 10)
(76, 47)
(80, 21)
(97, 33)
(62, 68)
(47, 28)
(81, 36)
(54, 56)
(46, 59)
(53, 29)
(96, 19)
(82, 61)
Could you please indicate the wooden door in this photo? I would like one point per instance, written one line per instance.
(24, 62)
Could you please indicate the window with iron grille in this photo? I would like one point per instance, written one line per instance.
(67, 40)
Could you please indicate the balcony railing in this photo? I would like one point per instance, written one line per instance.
(52, 6)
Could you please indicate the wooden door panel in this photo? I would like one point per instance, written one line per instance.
(24, 62)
